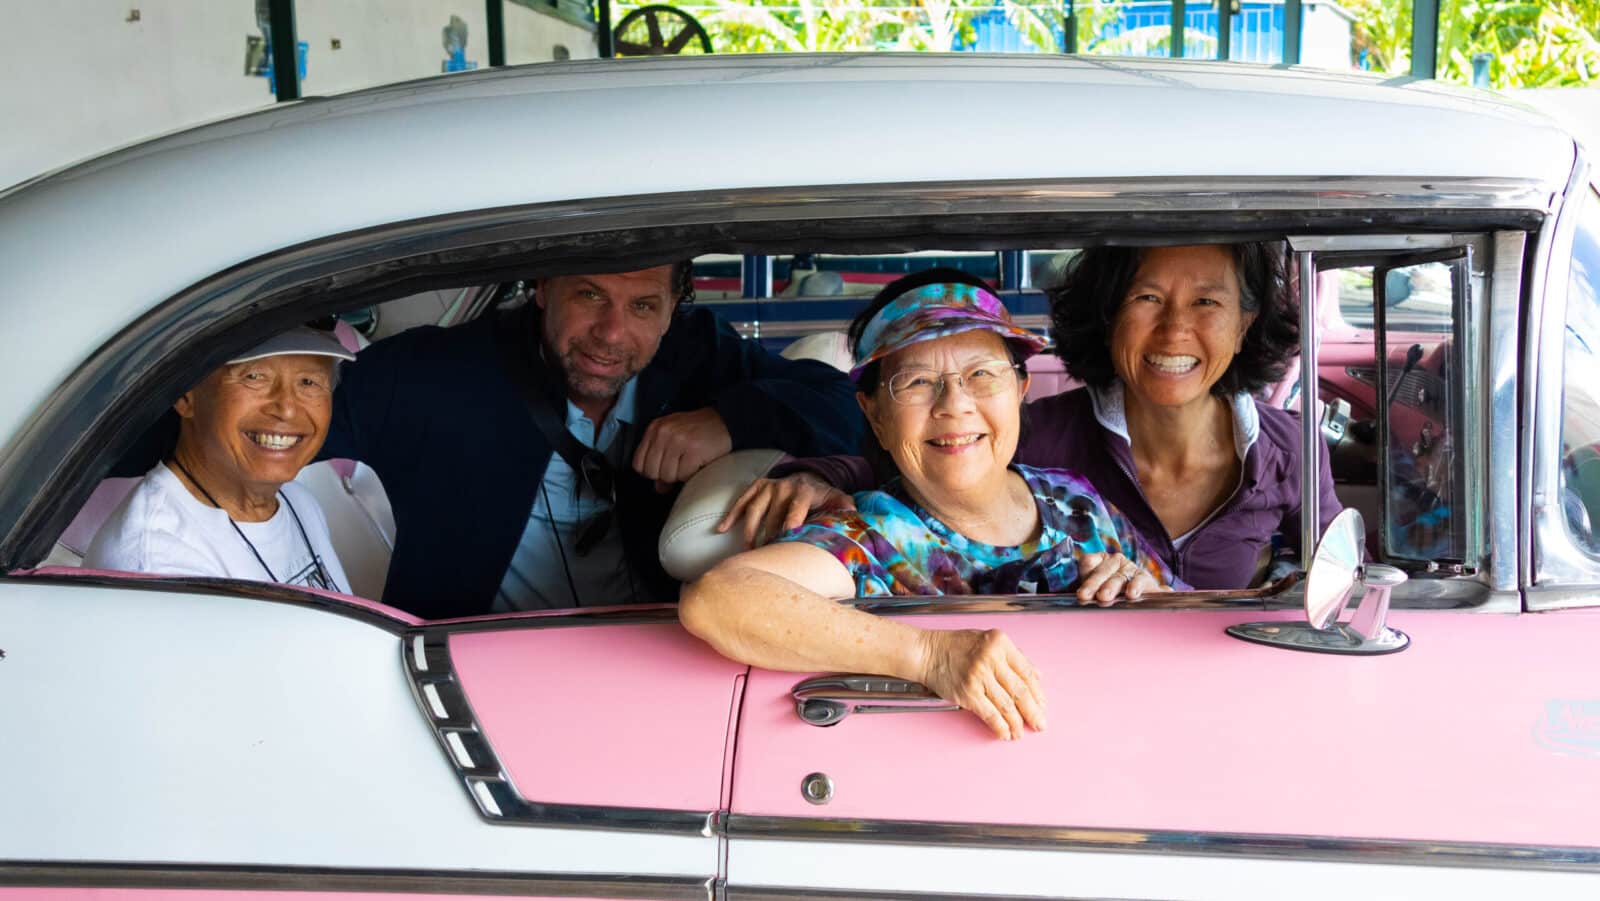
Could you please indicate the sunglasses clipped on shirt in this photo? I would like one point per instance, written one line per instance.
(595, 472)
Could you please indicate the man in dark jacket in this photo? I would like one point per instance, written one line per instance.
(488, 516)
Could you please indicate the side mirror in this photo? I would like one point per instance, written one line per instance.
(1337, 571)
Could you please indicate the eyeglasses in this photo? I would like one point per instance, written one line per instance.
(922, 387)
(595, 470)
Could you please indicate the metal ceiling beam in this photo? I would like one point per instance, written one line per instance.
(495, 12)
(602, 17)
(1069, 35)
(1291, 32)
(1425, 38)
(285, 50)
(1225, 29)
(1175, 39)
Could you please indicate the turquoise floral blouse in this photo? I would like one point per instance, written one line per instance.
(892, 546)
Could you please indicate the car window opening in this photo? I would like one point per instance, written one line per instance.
(811, 293)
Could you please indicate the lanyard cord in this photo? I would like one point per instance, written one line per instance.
(246, 539)
(555, 533)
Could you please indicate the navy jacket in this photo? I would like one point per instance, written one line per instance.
(1222, 553)
(434, 412)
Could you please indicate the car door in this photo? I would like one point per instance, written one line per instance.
(172, 734)
(1181, 763)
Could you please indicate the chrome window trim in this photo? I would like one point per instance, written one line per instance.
(1310, 428)
(1505, 531)
(246, 877)
(1486, 307)
(444, 706)
(61, 442)
(1560, 573)
(747, 827)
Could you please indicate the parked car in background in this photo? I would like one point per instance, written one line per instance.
(171, 734)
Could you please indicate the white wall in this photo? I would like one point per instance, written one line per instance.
(81, 79)
(1325, 37)
(531, 37)
(382, 41)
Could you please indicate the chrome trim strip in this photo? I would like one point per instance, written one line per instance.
(773, 893)
(1473, 402)
(1556, 562)
(769, 328)
(1310, 425)
(125, 381)
(1501, 495)
(261, 591)
(246, 877)
(1135, 841)
(559, 619)
(444, 706)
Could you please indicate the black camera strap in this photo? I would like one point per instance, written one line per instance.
(512, 337)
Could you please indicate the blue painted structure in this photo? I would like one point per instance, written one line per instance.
(1257, 32)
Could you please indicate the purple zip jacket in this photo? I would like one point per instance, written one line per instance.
(1226, 551)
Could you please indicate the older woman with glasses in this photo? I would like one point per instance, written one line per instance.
(939, 376)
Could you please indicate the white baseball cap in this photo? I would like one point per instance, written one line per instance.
(300, 340)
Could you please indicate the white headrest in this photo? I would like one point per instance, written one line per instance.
(832, 348)
(689, 544)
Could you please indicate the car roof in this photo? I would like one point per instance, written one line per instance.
(87, 249)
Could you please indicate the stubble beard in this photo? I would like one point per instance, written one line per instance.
(583, 386)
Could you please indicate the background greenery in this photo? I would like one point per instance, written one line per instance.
(1530, 44)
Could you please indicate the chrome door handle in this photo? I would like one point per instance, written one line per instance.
(825, 700)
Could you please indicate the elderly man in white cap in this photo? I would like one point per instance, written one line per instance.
(224, 504)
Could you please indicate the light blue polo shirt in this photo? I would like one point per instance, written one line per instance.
(538, 576)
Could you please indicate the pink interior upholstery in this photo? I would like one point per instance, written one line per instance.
(107, 495)
(348, 336)
(345, 468)
(1048, 376)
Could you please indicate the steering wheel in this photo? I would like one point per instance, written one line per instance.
(659, 30)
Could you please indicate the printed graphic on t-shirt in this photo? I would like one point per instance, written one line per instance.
(313, 575)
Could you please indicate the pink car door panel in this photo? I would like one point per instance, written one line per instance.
(627, 715)
(1158, 722)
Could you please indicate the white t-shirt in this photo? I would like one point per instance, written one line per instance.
(161, 528)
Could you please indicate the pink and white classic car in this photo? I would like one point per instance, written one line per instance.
(206, 739)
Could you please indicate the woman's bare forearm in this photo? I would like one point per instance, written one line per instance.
(759, 617)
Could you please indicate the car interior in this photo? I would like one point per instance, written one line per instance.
(806, 301)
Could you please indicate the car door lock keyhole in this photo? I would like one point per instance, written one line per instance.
(817, 788)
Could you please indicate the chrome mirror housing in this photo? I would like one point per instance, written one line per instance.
(1336, 572)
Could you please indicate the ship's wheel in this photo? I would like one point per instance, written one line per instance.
(659, 30)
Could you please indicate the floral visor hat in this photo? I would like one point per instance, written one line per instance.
(937, 311)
